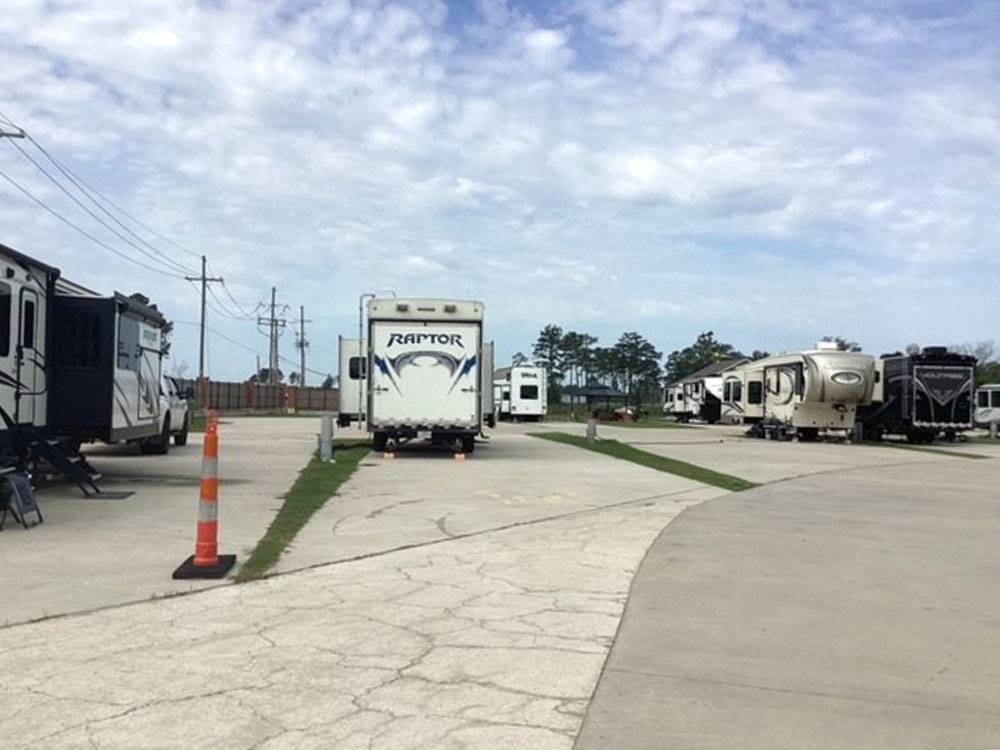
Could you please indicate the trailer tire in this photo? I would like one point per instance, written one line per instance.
(379, 441)
(181, 438)
(468, 443)
(807, 434)
(158, 446)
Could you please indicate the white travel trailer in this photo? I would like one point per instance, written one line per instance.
(806, 392)
(700, 394)
(675, 403)
(426, 371)
(106, 370)
(353, 380)
(520, 393)
(988, 404)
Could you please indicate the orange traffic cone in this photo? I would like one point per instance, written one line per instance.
(206, 562)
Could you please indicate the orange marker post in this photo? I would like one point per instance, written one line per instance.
(206, 562)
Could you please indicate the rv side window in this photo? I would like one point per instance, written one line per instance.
(984, 399)
(727, 392)
(529, 392)
(505, 396)
(800, 380)
(4, 320)
(28, 325)
(755, 393)
(737, 390)
(356, 368)
(996, 399)
(128, 343)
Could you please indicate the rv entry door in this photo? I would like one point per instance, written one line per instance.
(31, 375)
(150, 359)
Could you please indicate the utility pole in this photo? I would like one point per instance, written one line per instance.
(302, 343)
(205, 281)
(274, 327)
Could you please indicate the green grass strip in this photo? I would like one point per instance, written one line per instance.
(661, 463)
(316, 484)
(928, 449)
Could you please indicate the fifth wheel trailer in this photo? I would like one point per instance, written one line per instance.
(426, 374)
(806, 392)
(921, 395)
(988, 404)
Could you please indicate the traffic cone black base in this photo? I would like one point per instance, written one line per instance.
(188, 569)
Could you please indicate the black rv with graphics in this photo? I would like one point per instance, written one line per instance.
(921, 396)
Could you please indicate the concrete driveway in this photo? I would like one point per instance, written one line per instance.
(850, 610)
(94, 552)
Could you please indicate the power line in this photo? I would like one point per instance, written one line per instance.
(84, 232)
(86, 191)
(97, 192)
(93, 215)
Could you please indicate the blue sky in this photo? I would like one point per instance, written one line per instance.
(772, 170)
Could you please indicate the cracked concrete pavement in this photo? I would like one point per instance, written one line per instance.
(436, 603)
(492, 640)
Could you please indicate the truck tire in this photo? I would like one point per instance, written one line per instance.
(379, 440)
(468, 443)
(158, 446)
(181, 438)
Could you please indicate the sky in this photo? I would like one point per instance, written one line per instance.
(771, 170)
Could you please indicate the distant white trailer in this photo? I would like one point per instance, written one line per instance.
(806, 392)
(425, 367)
(676, 404)
(353, 380)
(988, 404)
(521, 393)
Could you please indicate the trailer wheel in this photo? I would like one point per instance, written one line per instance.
(468, 443)
(181, 438)
(379, 440)
(807, 434)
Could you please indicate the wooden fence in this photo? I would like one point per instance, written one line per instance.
(250, 396)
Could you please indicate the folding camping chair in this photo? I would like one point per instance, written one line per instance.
(18, 498)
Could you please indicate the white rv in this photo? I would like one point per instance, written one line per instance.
(521, 393)
(806, 392)
(106, 370)
(700, 394)
(26, 286)
(988, 404)
(675, 403)
(353, 380)
(426, 371)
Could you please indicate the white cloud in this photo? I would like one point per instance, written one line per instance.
(678, 164)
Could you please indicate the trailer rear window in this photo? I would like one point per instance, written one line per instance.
(529, 392)
(356, 368)
(755, 394)
(4, 320)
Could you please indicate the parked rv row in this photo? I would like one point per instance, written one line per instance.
(425, 369)
(920, 396)
(78, 366)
